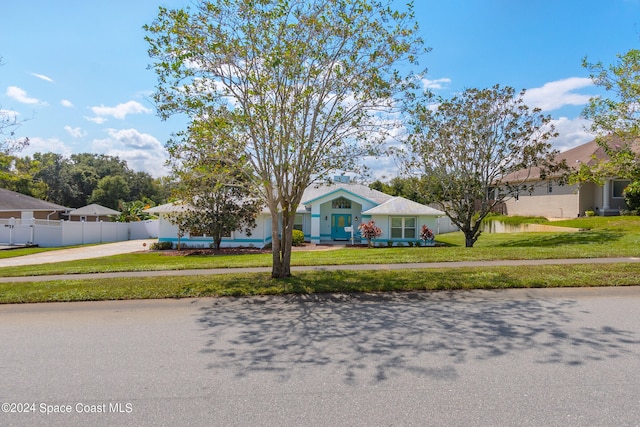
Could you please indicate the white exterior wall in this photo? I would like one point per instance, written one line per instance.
(66, 233)
(260, 235)
(562, 202)
(384, 222)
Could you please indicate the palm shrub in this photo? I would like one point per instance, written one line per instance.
(426, 234)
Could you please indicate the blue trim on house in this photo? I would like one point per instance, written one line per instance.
(314, 238)
(210, 240)
(308, 202)
(315, 215)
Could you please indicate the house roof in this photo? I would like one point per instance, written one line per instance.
(589, 154)
(385, 204)
(94, 210)
(174, 207)
(317, 191)
(12, 201)
(402, 206)
(167, 208)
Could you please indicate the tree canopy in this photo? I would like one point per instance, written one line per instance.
(216, 192)
(72, 181)
(616, 119)
(476, 150)
(9, 124)
(299, 88)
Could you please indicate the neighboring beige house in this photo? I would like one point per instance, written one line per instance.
(551, 200)
(20, 206)
(92, 212)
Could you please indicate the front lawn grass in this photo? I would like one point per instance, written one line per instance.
(625, 274)
(601, 237)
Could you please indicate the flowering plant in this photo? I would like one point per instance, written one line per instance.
(426, 234)
(369, 230)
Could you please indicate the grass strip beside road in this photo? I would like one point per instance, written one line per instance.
(625, 274)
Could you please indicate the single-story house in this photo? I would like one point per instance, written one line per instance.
(328, 213)
(92, 213)
(21, 206)
(552, 200)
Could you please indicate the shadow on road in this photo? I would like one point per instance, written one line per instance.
(371, 338)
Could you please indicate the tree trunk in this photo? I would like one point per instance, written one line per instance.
(276, 267)
(281, 245)
(469, 240)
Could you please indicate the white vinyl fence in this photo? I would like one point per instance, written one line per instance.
(48, 234)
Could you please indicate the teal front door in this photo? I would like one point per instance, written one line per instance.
(338, 223)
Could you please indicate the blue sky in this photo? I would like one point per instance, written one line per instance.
(76, 70)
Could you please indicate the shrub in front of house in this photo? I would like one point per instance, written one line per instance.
(298, 238)
(369, 231)
(161, 246)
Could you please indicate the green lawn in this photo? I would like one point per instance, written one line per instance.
(600, 237)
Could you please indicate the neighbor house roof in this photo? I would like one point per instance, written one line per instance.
(94, 210)
(12, 201)
(402, 206)
(588, 154)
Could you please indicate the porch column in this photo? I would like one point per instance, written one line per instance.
(606, 195)
(315, 224)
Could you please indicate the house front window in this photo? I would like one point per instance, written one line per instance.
(403, 228)
(618, 188)
(196, 232)
(297, 223)
(341, 203)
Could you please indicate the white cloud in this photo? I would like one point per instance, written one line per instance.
(66, 103)
(557, 94)
(46, 145)
(571, 133)
(435, 84)
(42, 77)
(20, 95)
(97, 120)
(75, 132)
(134, 139)
(120, 111)
(141, 151)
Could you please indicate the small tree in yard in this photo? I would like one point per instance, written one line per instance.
(216, 194)
(476, 150)
(369, 230)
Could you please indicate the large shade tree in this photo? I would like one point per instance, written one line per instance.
(476, 150)
(299, 86)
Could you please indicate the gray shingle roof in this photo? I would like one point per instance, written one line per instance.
(12, 201)
(402, 206)
(94, 209)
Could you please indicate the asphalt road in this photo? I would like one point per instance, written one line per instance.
(535, 357)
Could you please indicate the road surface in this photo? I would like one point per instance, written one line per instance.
(533, 357)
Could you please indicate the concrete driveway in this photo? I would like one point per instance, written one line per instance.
(84, 252)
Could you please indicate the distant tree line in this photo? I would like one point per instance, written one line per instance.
(81, 179)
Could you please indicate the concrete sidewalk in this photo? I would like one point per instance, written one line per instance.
(84, 252)
(350, 267)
